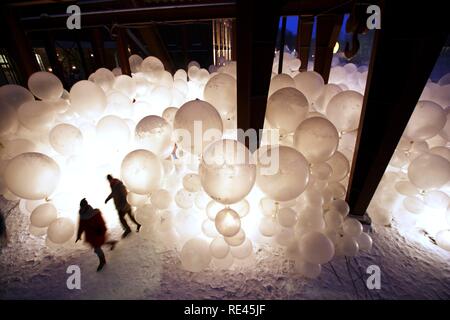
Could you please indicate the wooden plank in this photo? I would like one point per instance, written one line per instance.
(405, 51)
(122, 51)
(304, 34)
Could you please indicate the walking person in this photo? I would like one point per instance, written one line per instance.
(119, 194)
(93, 226)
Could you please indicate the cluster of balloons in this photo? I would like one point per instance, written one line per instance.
(415, 187)
(192, 186)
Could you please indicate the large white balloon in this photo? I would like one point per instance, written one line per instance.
(220, 91)
(87, 99)
(286, 109)
(32, 175)
(36, 115)
(427, 120)
(113, 133)
(317, 139)
(60, 230)
(142, 171)
(281, 81)
(14, 95)
(340, 167)
(197, 124)
(316, 248)
(282, 173)
(195, 255)
(328, 91)
(45, 86)
(153, 133)
(43, 215)
(429, 171)
(310, 83)
(344, 110)
(227, 171)
(66, 139)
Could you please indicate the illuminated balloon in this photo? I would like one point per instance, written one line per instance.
(287, 217)
(340, 167)
(141, 171)
(268, 226)
(310, 83)
(227, 173)
(60, 230)
(135, 62)
(228, 222)
(242, 251)
(43, 215)
(45, 86)
(427, 120)
(87, 99)
(113, 133)
(406, 188)
(153, 133)
(328, 91)
(161, 199)
(340, 206)
(66, 139)
(286, 109)
(103, 78)
(184, 199)
(317, 139)
(220, 91)
(197, 124)
(352, 227)
(195, 255)
(146, 215)
(414, 205)
(14, 96)
(237, 239)
(136, 200)
(443, 239)
(429, 171)
(344, 110)
(169, 114)
(348, 246)
(219, 248)
(436, 199)
(282, 173)
(281, 81)
(36, 115)
(316, 248)
(333, 219)
(191, 182)
(364, 242)
(9, 120)
(32, 175)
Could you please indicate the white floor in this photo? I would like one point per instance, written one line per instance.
(136, 270)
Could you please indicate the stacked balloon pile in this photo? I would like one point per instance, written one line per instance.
(171, 139)
(414, 190)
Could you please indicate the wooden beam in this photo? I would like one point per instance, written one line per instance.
(156, 46)
(19, 46)
(98, 48)
(405, 51)
(304, 34)
(256, 36)
(233, 40)
(50, 49)
(328, 28)
(122, 51)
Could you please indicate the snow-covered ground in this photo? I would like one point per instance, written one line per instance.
(140, 269)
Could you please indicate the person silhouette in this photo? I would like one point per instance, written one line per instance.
(93, 226)
(119, 194)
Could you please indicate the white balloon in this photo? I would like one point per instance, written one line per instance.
(310, 83)
(195, 255)
(429, 171)
(352, 227)
(142, 171)
(60, 230)
(221, 92)
(153, 133)
(340, 206)
(161, 199)
(36, 115)
(340, 167)
(43, 215)
(344, 110)
(113, 133)
(414, 205)
(137, 200)
(316, 248)
(364, 242)
(184, 199)
(443, 239)
(286, 109)
(66, 139)
(87, 99)
(437, 199)
(317, 139)
(287, 217)
(14, 96)
(281, 81)
(427, 120)
(348, 246)
(13, 148)
(191, 182)
(406, 188)
(333, 219)
(228, 222)
(45, 86)
(282, 172)
(268, 226)
(308, 270)
(237, 239)
(327, 93)
(242, 251)
(219, 248)
(197, 124)
(32, 175)
(227, 173)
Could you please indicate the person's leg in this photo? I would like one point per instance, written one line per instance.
(101, 257)
(111, 243)
(131, 215)
(123, 221)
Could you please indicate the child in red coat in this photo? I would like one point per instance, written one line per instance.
(92, 224)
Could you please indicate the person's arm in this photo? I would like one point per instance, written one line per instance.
(109, 197)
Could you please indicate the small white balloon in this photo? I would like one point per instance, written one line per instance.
(60, 230)
(43, 215)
